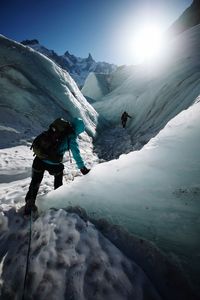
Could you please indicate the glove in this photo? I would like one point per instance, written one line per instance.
(84, 170)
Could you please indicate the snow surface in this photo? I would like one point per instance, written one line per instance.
(153, 193)
(70, 259)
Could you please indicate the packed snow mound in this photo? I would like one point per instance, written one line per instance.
(155, 93)
(157, 187)
(33, 92)
(69, 258)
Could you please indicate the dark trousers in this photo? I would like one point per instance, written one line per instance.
(124, 123)
(38, 169)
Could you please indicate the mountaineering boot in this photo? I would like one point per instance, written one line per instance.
(30, 207)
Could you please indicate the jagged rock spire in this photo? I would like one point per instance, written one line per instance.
(90, 58)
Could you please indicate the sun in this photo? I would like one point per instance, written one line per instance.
(142, 40)
(147, 43)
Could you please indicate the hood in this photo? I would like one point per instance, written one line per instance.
(78, 125)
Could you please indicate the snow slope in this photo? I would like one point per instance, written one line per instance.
(155, 95)
(153, 193)
(33, 92)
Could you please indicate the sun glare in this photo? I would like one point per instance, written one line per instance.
(142, 40)
(147, 43)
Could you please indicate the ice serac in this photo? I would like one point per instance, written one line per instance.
(155, 93)
(34, 91)
(96, 86)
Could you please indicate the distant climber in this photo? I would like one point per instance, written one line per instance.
(124, 118)
(49, 148)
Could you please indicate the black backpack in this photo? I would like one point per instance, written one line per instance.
(46, 145)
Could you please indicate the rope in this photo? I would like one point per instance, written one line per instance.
(27, 258)
(70, 157)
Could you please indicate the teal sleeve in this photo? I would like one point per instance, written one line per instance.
(63, 147)
(73, 144)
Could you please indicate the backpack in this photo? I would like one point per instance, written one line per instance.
(46, 144)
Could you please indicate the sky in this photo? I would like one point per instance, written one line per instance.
(103, 28)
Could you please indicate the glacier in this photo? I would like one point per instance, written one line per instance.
(130, 228)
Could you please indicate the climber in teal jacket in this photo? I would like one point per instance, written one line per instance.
(70, 143)
(52, 144)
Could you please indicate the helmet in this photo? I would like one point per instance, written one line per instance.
(61, 126)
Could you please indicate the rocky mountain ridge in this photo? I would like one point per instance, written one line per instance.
(78, 68)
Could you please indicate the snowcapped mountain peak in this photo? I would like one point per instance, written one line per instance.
(35, 44)
(70, 56)
(79, 68)
(67, 53)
